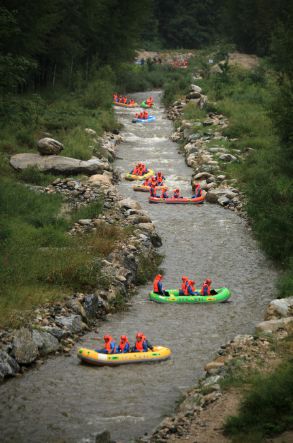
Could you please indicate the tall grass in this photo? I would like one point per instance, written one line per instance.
(39, 261)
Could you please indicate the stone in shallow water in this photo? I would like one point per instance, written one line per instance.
(8, 366)
(24, 349)
(45, 342)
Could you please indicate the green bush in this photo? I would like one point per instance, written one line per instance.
(267, 410)
(98, 94)
(34, 176)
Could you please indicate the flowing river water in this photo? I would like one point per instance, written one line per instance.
(64, 401)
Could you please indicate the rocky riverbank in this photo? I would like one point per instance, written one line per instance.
(201, 415)
(54, 328)
(207, 151)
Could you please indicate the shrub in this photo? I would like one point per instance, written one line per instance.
(267, 409)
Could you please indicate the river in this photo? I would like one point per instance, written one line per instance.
(64, 401)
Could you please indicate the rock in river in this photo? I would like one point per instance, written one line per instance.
(45, 342)
(24, 349)
(58, 164)
(8, 366)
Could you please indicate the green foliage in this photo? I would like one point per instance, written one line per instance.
(267, 409)
(147, 267)
(39, 260)
(34, 176)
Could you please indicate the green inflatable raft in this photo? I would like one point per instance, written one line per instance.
(222, 294)
(144, 105)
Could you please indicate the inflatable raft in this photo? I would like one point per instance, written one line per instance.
(142, 188)
(151, 118)
(178, 201)
(144, 105)
(222, 295)
(93, 357)
(125, 105)
(140, 177)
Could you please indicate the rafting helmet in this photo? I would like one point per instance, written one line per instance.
(177, 190)
(107, 337)
(139, 335)
(123, 338)
(184, 278)
(208, 281)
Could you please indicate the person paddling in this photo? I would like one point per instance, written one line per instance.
(109, 345)
(124, 345)
(158, 286)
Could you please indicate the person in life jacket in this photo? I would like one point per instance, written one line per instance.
(125, 100)
(109, 345)
(145, 115)
(124, 345)
(153, 190)
(191, 288)
(144, 169)
(132, 102)
(158, 286)
(141, 343)
(164, 193)
(160, 178)
(115, 97)
(135, 170)
(207, 288)
(176, 193)
(183, 289)
(198, 191)
(146, 182)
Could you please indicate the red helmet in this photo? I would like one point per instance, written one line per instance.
(159, 276)
(192, 282)
(107, 337)
(184, 278)
(177, 190)
(153, 178)
(139, 335)
(123, 338)
(159, 173)
(208, 281)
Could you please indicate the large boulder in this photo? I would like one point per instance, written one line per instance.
(45, 342)
(24, 349)
(101, 179)
(128, 203)
(279, 308)
(274, 325)
(58, 164)
(8, 366)
(93, 304)
(214, 195)
(196, 88)
(49, 146)
(72, 323)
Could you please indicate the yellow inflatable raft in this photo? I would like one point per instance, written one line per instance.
(92, 357)
(142, 188)
(140, 177)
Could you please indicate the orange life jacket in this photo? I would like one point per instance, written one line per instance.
(191, 285)
(185, 288)
(139, 345)
(123, 344)
(107, 345)
(156, 281)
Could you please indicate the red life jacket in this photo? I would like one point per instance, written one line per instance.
(176, 194)
(185, 288)
(107, 345)
(123, 344)
(191, 286)
(156, 281)
(139, 345)
(205, 290)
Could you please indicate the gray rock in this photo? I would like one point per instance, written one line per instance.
(85, 222)
(129, 204)
(280, 308)
(58, 164)
(228, 158)
(214, 194)
(8, 366)
(209, 381)
(274, 325)
(49, 146)
(72, 323)
(56, 332)
(93, 305)
(156, 240)
(223, 201)
(204, 175)
(24, 349)
(196, 88)
(193, 95)
(45, 342)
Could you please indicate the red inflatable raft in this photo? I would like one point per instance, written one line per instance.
(178, 201)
